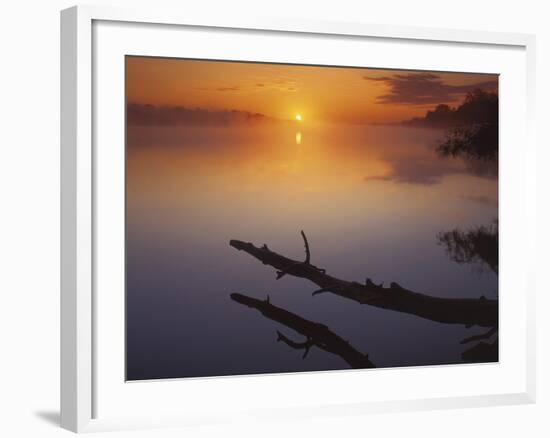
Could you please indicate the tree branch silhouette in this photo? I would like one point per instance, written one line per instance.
(485, 335)
(281, 273)
(482, 312)
(316, 334)
(306, 345)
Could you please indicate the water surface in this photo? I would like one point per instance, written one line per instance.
(371, 200)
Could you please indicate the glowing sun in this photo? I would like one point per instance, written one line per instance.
(298, 117)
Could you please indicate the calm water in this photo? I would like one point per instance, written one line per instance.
(371, 200)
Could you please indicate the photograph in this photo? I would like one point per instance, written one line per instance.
(286, 218)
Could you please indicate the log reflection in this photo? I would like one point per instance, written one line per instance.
(316, 334)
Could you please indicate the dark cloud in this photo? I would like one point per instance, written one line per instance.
(151, 115)
(424, 89)
(259, 84)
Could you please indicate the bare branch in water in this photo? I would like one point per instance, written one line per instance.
(282, 272)
(306, 243)
(466, 311)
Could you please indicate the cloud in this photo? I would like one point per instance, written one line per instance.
(222, 89)
(151, 115)
(287, 84)
(424, 89)
(258, 84)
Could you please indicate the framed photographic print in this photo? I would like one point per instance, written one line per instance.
(257, 209)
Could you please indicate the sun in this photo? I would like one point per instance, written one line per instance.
(298, 117)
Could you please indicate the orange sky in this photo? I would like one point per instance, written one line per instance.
(335, 94)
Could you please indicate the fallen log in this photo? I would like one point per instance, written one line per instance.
(468, 311)
(316, 334)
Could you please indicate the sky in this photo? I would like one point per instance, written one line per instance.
(281, 91)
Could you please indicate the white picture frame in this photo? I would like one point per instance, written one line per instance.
(83, 370)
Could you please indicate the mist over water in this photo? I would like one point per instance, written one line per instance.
(371, 200)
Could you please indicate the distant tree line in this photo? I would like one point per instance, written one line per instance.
(472, 127)
(478, 107)
(147, 115)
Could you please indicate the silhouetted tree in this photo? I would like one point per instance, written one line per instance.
(442, 115)
(479, 245)
(478, 107)
(476, 134)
